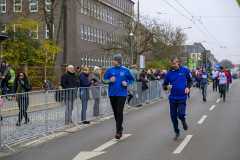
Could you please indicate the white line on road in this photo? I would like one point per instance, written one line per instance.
(98, 151)
(232, 84)
(183, 144)
(218, 100)
(110, 143)
(202, 119)
(212, 107)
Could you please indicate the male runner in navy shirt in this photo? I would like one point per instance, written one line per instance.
(179, 88)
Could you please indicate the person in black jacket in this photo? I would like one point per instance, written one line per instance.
(22, 85)
(6, 74)
(144, 85)
(68, 81)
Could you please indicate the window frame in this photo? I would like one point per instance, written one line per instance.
(82, 31)
(82, 59)
(36, 33)
(48, 31)
(31, 4)
(5, 29)
(3, 5)
(14, 5)
(48, 3)
(89, 34)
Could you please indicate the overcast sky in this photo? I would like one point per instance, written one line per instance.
(220, 17)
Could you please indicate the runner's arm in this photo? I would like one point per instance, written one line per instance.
(106, 77)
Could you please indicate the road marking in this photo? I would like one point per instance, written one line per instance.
(183, 144)
(232, 84)
(98, 151)
(212, 107)
(218, 100)
(110, 143)
(202, 119)
(87, 155)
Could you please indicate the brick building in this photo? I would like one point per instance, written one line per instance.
(91, 23)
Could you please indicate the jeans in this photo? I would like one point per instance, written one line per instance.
(68, 111)
(96, 107)
(204, 89)
(222, 89)
(117, 106)
(177, 110)
(84, 109)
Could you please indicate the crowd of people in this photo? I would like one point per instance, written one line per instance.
(221, 78)
(178, 80)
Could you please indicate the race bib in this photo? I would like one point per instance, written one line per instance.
(204, 76)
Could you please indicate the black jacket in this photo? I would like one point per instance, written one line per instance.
(26, 87)
(68, 80)
(144, 83)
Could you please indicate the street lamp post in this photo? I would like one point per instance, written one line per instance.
(131, 34)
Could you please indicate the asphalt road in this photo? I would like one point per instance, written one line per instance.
(150, 134)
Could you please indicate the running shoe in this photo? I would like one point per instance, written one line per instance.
(220, 96)
(185, 126)
(224, 100)
(177, 137)
(118, 135)
(227, 91)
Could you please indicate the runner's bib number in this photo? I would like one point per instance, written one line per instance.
(204, 76)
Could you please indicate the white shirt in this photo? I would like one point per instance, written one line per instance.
(214, 74)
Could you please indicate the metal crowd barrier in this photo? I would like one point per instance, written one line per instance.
(44, 112)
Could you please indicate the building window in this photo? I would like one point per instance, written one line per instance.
(92, 34)
(17, 5)
(98, 60)
(3, 6)
(86, 55)
(98, 12)
(85, 32)
(92, 59)
(89, 8)
(103, 60)
(95, 11)
(100, 37)
(82, 59)
(82, 31)
(101, 13)
(89, 34)
(103, 37)
(95, 35)
(33, 5)
(89, 59)
(47, 31)
(34, 32)
(3, 29)
(82, 6)
(85, 6)
(106, 15)
(95, 59)
(48, 5)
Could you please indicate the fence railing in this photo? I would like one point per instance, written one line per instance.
(32, 114)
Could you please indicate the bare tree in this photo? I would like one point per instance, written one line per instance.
(226, 63)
